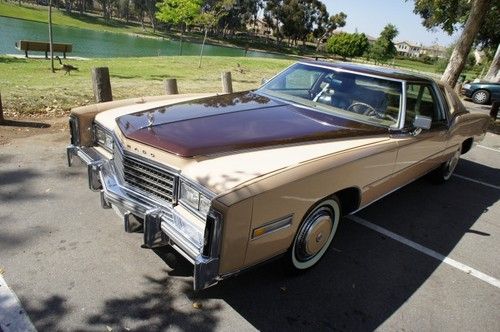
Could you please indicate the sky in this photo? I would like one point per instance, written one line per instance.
(370, 17)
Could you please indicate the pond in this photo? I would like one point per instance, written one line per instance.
(98, 44)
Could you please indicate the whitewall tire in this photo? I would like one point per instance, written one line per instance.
(315, 234)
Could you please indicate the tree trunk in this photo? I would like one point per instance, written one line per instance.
(182, 35)
(464, 44)
(152, 19)
(493, 74)
(202, 46)
(51, 42)
(1, 110)
(101, 84)
(320, 39)
(142, 20)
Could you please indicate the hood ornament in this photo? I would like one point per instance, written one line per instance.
(151, 119)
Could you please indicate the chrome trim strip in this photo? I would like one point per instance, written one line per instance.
(402, 110)
(273, 226)
(207, 266)
(123, 151)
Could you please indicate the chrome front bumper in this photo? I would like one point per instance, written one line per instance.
(158, 222)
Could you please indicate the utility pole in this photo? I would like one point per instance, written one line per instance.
(51, 44)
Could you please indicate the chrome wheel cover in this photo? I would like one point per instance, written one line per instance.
(450, 165)
(315, 234)
(480, 97)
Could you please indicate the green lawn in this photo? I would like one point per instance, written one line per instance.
(416, 65)
(39, 14)
(28, 86)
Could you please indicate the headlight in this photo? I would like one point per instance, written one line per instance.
(103, 138)
(466, 86)
(194, 199)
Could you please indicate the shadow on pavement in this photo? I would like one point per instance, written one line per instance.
(154, 311)
(362, 281)
(14, 185)
(47, 314)
(26, 124)
(365, 277)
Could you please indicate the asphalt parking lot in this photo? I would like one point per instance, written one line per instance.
(424, 258)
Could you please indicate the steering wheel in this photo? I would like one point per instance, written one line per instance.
(369, 110)
(362, 108)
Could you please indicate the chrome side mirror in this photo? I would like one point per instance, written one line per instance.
(422, 122)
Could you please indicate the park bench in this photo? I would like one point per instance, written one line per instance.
(29, 45)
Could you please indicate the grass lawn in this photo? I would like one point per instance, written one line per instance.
(28, 87)
(416, 65)
(39, 14)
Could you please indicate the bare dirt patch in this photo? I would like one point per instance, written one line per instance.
(26, 127)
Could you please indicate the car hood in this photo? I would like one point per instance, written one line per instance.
(234, 122)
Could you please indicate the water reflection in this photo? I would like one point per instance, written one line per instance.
(88, 43)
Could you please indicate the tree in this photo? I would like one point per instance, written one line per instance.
(210, 16)
(493, 74)
(334, 22)
(347, 44)
(383, 49)
(51, 42)
(182, 12)
(446, 14)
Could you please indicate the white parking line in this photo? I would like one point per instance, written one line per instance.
(488, 148)
(12, 315)
(462, 267)
(477, 181)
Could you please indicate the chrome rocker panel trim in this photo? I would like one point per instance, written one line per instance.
(157, 231)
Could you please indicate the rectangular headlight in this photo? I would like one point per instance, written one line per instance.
(193, 198)
(204, 205)
(103, 138)
(189, 195)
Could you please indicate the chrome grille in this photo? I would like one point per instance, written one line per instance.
(148, 178)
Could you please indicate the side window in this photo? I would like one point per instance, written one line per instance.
(420, 100)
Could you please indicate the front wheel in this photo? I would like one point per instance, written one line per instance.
(315, 235)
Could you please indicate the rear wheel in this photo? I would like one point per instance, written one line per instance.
(315, 235)
(481, 97)
(445, 171)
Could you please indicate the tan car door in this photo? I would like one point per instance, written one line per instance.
(421, 151)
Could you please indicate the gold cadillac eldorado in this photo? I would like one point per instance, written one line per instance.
(230, 181)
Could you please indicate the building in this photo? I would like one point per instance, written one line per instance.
(259, 27)
(411, 50)
(434, 51)
(408, 49)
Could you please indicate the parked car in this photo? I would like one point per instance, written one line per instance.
(481, 92)
(230, 181)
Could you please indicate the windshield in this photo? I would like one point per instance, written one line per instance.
(354, 96)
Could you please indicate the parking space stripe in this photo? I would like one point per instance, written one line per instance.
(488, 148)
(429, 252)
(12, 315)
(477, 181)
